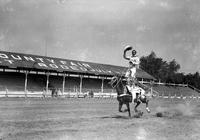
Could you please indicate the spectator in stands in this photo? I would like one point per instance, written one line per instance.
(130, 74)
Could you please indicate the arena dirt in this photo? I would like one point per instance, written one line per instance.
(181, 109)
(83, 119)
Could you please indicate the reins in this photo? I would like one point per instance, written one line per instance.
(118, 80)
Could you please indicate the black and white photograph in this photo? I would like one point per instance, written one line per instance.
(99, 70)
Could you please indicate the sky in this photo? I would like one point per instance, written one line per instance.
(98, 30)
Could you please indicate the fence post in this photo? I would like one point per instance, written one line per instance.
(25, 84)
(102, 85)
(6, 95)
(81, 84)
(47, 83)
(63, 86)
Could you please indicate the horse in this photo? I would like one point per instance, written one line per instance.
(125, 97)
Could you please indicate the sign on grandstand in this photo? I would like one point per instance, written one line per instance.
(15, 60)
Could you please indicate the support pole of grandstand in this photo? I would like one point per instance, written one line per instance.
(63, 86)
(81, 83)
(151, 91)
(25, 84)
(47, 82)
(102, 85)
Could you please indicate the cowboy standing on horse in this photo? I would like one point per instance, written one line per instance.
(130, 74)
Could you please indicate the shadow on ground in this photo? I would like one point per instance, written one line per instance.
(116, 117)
(122, 117)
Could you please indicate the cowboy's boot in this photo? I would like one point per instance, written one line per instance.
(148, 110)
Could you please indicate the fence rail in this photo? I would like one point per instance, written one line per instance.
(196, 89)
(18, 91)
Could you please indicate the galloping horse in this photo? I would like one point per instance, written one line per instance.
(125, 97)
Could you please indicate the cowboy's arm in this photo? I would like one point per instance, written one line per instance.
(127, 48)
(138, 63)
(124, 55)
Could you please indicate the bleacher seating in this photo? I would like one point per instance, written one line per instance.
(12, 81)
(16, 82)
(171, 90)
(36, 82)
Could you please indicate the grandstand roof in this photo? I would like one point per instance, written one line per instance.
(37, 63)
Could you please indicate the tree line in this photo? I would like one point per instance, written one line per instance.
(168, 72)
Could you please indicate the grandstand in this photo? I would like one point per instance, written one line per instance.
(32, 75)
(26, 75)
(174, 90)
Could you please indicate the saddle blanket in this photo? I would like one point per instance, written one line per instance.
(124, 95)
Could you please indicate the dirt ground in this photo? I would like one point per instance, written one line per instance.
(97, 119)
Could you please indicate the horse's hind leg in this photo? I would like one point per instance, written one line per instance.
(138, 103)
(128, 109)
(147, 106)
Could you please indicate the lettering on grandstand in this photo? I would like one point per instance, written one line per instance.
(39, 62)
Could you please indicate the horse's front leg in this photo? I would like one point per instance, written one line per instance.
(128, 109)
(120, 106)
(147, 106)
